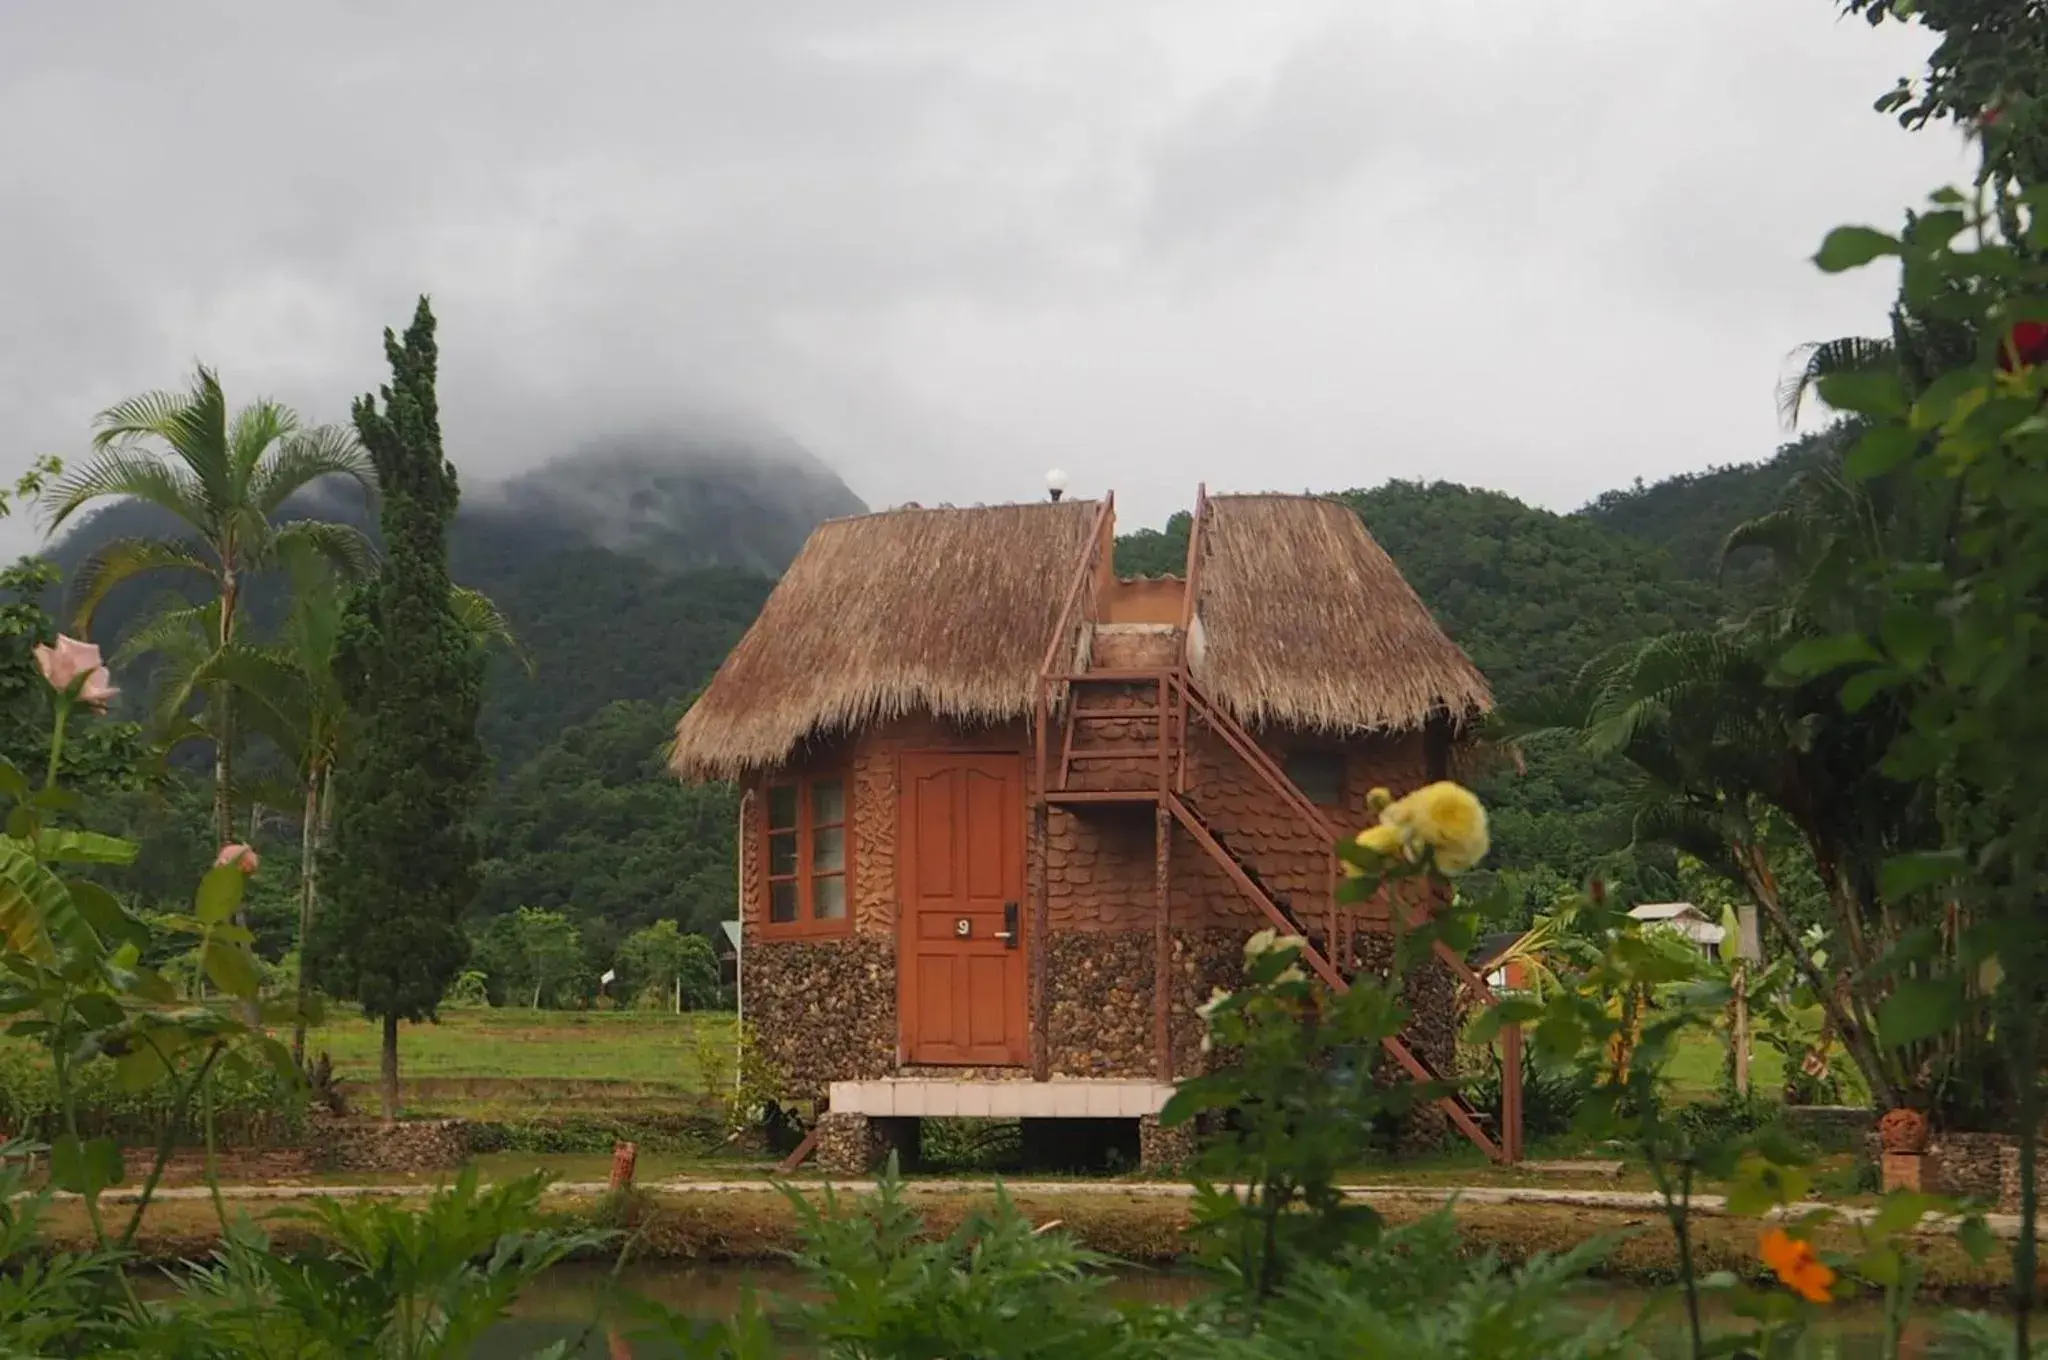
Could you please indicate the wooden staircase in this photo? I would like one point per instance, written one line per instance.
(1123, 738)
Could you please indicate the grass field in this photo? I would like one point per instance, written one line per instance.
(644, 1047)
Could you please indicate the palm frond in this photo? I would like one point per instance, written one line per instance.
(129, 473)
(193, 424)
(1810, 363)
(252, 433)
(342, 546)
(123, 560)
(306, 457)
(483, 620)
(175, 628)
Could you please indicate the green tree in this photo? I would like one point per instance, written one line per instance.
(550, 949)
(226, 480)
(660, 965)
(403, 867)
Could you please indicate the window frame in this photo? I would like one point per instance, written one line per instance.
(1337, 754)
(807, 923)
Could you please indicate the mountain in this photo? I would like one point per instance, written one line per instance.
(630, 570)
(721, 500)
(626, 570)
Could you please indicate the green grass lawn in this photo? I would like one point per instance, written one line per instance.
(480, 1058)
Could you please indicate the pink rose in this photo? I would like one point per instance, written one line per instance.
(64, 664)
(243, 857)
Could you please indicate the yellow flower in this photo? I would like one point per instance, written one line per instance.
(1793, 1260)
(1217, 996)
(1268, 940)
(1383, 840)
(1447, 818)
(1377, 800)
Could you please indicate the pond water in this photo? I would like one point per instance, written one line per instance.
(564, 1304)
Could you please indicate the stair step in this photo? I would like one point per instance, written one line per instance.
(1110, 677)
(1111, 714)
(1146, 752)
(1058, 796)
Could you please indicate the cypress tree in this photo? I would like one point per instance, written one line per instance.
(403, 860)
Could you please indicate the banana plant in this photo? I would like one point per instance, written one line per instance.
(73, 980)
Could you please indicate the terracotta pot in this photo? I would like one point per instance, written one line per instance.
(1903, 1130)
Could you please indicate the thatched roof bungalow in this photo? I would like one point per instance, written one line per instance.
(1007, 816)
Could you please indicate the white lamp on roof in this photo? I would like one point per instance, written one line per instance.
(1056, 483)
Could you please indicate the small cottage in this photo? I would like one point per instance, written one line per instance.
(1684, 920)
(1006, 818)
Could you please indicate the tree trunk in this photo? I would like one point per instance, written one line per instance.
(1741, 1027)
(309, 848)
(390, 1074)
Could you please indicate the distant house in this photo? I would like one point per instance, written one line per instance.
(1485, 958)
(1007, 819)
(1687, 920)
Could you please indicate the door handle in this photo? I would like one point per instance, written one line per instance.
(1008, 934)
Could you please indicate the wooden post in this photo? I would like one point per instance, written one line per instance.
(1748, 947)
(1162, 965)
(625, 1156)
(1041, 1043)
(1511, 1093)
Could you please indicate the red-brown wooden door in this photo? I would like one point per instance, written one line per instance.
(961, 886)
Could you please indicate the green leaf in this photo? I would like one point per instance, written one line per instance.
(1937, 228)
(98, 1010)
(13, 782)
(1853, 247)
(84, 847)
(1515, 1010)
(84, 1168)
(1882, 448)
(1939, 400)
(1859, 689)
(1902, 1209)
(230, 968)
(1818, 656)
(1910, 634)
(1904, 875)
(140, 1068)
(22, 823)
(1976, 1238)
(220, 892)
(1882, 395)
(35, 909)
(1919, 1008)
(104, 913)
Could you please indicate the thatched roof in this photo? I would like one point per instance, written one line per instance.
(1306, 622)
(942, 611)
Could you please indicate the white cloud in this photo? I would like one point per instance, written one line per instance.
(948, 243)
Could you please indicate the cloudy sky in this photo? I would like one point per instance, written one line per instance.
(950, 243)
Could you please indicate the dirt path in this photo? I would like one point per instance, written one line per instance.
(1611, 1201)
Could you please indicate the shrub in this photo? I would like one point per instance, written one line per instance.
(1551, 1095)
(253, 1109)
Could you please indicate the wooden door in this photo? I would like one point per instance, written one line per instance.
(960, 988)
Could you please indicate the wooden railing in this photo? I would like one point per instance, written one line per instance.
(1191, 701)
(1081, 597)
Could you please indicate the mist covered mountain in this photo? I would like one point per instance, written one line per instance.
(627, 569)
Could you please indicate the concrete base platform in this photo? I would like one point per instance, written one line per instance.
(969, 1098)
(867, 1120)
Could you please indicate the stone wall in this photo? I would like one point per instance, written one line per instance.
(371, 1145)
(1099, 995)
(823, 1010)
(824, 1007)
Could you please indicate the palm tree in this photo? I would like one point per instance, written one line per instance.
(226, 480)
(293, 699)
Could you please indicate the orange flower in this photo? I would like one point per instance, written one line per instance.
(1793, 1259)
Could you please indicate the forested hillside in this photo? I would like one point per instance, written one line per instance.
(625, 599)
